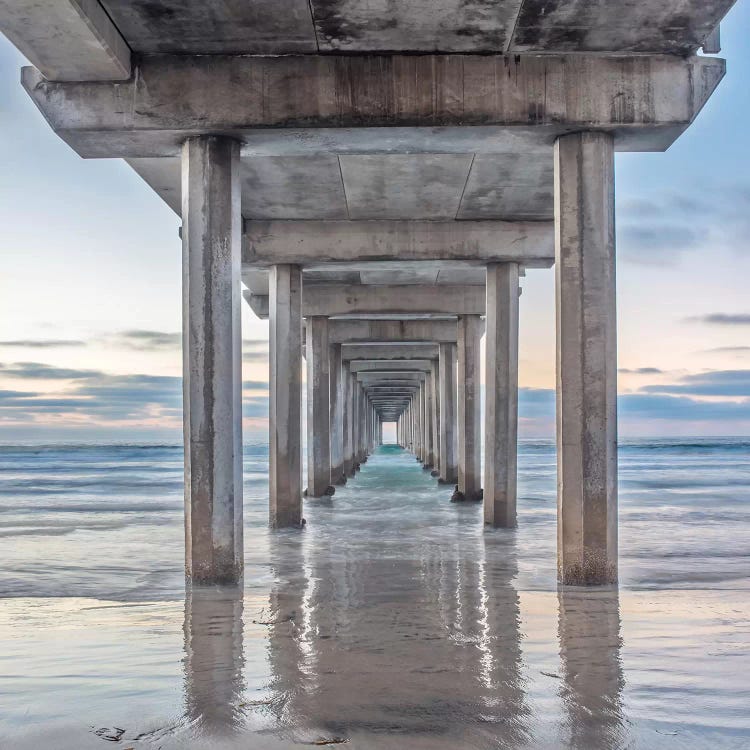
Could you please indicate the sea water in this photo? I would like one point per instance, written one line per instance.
(393, 620)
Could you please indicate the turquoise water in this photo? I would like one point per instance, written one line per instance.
(393, 618)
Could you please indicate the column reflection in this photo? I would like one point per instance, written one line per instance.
(421, 643)
(590, 642)
(213, 658)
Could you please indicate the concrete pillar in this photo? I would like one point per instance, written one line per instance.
(469, 408)
(435, 418)
(380, 432)
(348, 423)
(212, 360)
(318, 408)
(420, 423)
(586, 359)
(448, 468)
(501, 396)
(355, 423)
(285, 412)
(429, 450)
(337, 415)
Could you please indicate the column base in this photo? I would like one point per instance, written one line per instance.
(595, 570)
(460, 497)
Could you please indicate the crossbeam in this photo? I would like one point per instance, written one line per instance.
(646, 101)
(314, 242)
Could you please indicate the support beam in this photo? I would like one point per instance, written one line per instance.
(469, 409)
(501, 396)
(316, 242)
(337, 393)
(285, 413)
(386, 331)
(386, 365)
(212, 360)
(68, 40)
(448, 467)
(463, 102)
(390, 352)
(586, 359)
(318, 409)
(439, 299)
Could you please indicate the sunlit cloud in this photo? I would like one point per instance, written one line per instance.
(42, 343)
(722, 319)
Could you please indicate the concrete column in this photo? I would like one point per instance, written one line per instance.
(318, 408)
(355, 423)
(469, 408)
(285, 412)
(429, 452)
(501, 397)
(337, 415)
(435, 418)
(380, 432)
(212, 360)
(586, 359)
(420, 422)
(348, 423)
(448, 469)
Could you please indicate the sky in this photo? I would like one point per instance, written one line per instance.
(90, 308)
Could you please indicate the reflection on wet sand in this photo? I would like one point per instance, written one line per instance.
(214, 658)
(425, 648)
(589, 632)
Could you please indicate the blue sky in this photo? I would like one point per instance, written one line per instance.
(90, 285)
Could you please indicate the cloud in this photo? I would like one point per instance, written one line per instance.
(659, 228)
(728, 350)
(41, 371)
(537, 405)
(641, 371)
(146, 341)
(722, 319)
(723, 383)
(42, 343)
(254, 385)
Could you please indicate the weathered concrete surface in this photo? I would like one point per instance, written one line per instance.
(318, 408)
(435, 415)
(349, 469)
(212, 361)
(385, 365)
(469, 408)
(314, 242)
(68, 40)
(337, 393)
(655, 99)
(285, 386)
(501, 396)
(586, 359)
(223, 26)
(343, 300)
(448, 448)
(390, 352)
(349, 331)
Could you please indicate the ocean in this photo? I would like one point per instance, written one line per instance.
(393, 620)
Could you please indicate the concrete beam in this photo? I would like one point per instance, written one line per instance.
(645, 101)
(396, 376)
(314, 242)
(382, 331)
(388, 351)
(342, 299)
(67, 40)
(380, 365)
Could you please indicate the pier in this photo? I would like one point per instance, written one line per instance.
(379, 191)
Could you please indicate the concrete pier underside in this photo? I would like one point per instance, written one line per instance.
(389, 184)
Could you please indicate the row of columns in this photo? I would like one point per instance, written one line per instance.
(344, 422)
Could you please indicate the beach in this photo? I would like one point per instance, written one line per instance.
(394, 619)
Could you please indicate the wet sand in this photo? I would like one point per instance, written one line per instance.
(393, 621)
